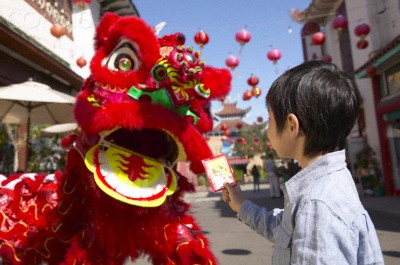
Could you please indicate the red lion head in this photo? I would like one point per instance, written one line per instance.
(145, 107)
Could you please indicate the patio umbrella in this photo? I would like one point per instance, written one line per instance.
(63, 128)
(34, 103)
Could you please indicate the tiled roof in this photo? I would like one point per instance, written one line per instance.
(231, 109)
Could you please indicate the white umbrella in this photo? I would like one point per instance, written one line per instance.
(61, 128)
(34, 103)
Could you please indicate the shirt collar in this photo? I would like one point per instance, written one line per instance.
(327, 164)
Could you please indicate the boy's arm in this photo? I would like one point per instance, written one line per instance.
(260, 219)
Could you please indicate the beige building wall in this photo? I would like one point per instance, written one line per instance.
(383, 17)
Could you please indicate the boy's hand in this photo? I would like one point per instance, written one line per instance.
(233, 196)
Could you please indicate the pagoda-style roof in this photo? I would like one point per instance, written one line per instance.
(230, 110)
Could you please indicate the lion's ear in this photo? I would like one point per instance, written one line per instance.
(102, 30)
(218, 80)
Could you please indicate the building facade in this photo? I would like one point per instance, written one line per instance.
(373, 60)
(31, 48)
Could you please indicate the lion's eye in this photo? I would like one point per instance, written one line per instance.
(125, 64)
(190, 57)
(123, 58)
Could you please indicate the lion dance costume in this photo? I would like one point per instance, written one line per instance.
(144, 107)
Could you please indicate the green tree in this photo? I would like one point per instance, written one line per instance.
(6, 151)
(47, 154)
(252, 141)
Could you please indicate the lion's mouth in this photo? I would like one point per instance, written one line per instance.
(135, 166)
(155, 144)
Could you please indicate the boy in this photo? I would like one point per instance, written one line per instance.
(312, 108)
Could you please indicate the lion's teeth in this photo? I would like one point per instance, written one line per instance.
(124, 189)
(112, 181)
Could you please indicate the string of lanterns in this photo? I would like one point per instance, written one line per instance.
(57, 30)
(242, 37)
(201, 38)
(81, 4)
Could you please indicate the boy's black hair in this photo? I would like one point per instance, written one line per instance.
(324, 100)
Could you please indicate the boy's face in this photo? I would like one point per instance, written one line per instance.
(281, 142)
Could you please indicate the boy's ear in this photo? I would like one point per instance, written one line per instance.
(294, 125)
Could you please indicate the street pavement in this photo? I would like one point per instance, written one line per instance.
(234, 243)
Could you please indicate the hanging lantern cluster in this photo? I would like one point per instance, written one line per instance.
(318, 38)
(226, 131)
(253, 80)
(247, 95)
(339, 23)
(81, 62)
(232, 62)
(371, 71)
(274, 55)
(201, 38)
(255, 90)
(242, 37)
(362, 31)
(57, 30)
(326, 58)
(81, 4)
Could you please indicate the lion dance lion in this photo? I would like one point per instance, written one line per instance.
(143, 109)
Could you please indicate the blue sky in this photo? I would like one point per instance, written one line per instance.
(267, 21)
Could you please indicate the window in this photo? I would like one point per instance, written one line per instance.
(391, 82)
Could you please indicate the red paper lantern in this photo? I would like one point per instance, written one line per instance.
(362, 30)
(224, 127)
(274, 55)
(201, 38)
(256, 91)
(239, 126)
(326, 58)
(81, 62)
(232, 62)
(252, 80)
(227, 132)
(259, 119)
(243, 36)
(81, 4)
(318, 38)
(371, 71)
(269, 145)
(339, 23)
(362, 44)
(247, 95)
(57, 30)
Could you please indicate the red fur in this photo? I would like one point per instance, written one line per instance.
(73, 220)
